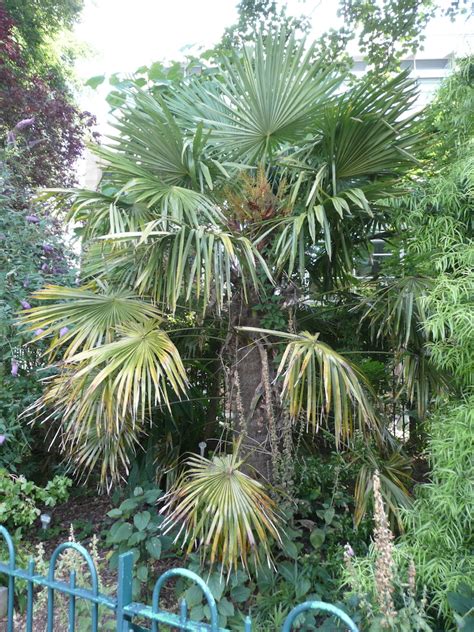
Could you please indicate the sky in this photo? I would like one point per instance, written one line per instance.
(128, 33)
(122, 35)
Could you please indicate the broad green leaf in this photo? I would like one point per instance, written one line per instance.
(216, 585)
(114, 513)
(329, 515)
(123, 532)
(141, 520)
(152, 495)
(240, 594)
(225, 607)
(142, 573)
(136, 538)
(302, 587)
(129, 504)
(197, 613)
(193, 596)
(317, 538)
(153, 546)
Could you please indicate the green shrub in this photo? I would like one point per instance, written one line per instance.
(20, 498)
(136, 529)
(439, 527)
(32, 254)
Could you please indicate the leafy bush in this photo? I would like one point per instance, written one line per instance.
(38, 115)
(32, 253)
(439, 527)
(326, 506)
(20, 498)
(136, 529)
(231, 596)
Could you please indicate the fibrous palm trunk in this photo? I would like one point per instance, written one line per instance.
(255, 410)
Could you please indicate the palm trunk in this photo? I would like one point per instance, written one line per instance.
(254, 409)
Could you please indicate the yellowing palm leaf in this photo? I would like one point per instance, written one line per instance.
(225, 511)
(142, 362)
(318, 382)
(117, 366)
(90, 314)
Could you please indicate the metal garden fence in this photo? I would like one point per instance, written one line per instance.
(124, 610)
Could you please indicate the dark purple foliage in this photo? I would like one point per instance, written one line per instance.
(38, 115)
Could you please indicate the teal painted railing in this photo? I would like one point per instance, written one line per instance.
(123, 608)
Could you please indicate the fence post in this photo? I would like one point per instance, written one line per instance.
(11, 578)
(124, 591)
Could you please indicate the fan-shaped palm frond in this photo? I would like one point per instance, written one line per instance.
(91, 433)
(152, 144)
(225, 511)
(98, 212)
(142, 361)
(108, 452)
(272, 93)
(360, 135)
(103, 397)
(85, 316)
(420, 380)
(367, 132)
(397, 311)
(318, 381)
(117, 365)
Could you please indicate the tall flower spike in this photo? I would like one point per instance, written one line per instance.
(384, 573)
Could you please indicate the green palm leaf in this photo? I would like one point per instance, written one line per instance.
(152, 144)
(397, 311)
(362, 134)
(366, 132)
(99, 212)
(394, 469)
(186, 263)
(272, 93)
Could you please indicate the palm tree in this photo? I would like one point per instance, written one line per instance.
(235, 186)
